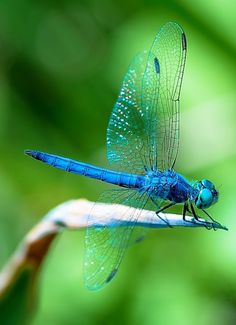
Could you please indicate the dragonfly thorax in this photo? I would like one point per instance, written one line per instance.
(169, 185)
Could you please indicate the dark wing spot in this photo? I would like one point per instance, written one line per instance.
(139, 239)
(184, 42)
(111, 275)
(157, 65)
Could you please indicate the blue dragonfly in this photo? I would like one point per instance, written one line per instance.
(142, 147)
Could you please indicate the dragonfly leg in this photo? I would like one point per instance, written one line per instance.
(186, 209)
(199, 220)
(211, 219)
(163, 209)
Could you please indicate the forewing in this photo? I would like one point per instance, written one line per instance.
(107, 243)
(161, 93)
(143, 131)
(126, 133)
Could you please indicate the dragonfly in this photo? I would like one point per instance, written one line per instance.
(142, 148)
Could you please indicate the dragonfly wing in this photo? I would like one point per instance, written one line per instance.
(106, 244)
(143, 131)
(126, 133)
(161, 93)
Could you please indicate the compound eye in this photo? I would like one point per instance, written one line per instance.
(206, 197)
(208, 184)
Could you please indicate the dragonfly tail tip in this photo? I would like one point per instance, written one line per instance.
(31, 153)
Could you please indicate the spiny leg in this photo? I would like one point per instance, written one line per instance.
(186, 209)
(165, 207)
(162, 209)
(198, 219)
(214, 221)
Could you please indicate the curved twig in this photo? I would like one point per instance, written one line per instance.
(73, 215)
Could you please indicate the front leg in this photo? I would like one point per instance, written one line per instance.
(214, 221)
(199, 220)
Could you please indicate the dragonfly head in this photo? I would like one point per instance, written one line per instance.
(207, 194)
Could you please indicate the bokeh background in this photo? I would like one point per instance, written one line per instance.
(61, 67)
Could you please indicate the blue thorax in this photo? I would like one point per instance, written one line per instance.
(169, 185)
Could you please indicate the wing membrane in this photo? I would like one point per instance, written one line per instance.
(143, 131)
(106, 244)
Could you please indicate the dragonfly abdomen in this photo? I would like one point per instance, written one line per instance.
(72, 166)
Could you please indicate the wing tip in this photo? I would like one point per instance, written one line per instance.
(111, 275)
(93, 285)
(157, 65)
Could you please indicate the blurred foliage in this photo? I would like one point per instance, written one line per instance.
(17, 300)
(61, 66)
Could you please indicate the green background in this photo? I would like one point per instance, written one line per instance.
(61, 67)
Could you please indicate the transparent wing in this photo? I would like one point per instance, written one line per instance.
(126, 133)
(143, 130)
(106, 244)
